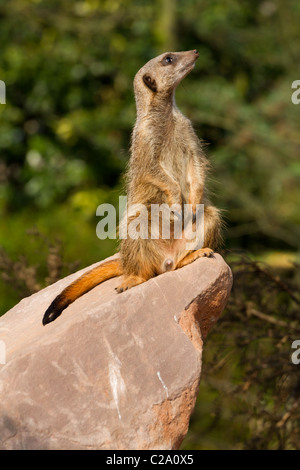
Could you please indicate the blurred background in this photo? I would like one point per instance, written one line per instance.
(64, 143)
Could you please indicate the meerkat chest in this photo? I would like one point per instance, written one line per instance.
(175, 164)
(178, 154)
(174, 160)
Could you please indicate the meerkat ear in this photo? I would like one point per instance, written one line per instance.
(150, 82)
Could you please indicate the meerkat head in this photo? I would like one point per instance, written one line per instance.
(161, 75)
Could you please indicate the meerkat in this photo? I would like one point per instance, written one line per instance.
(167, 166)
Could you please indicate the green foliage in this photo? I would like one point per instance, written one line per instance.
(70, 108)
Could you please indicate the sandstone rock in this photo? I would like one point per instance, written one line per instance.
(114, 371)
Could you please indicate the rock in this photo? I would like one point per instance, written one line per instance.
(114, 371)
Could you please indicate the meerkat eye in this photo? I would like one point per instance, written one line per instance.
(168, 59)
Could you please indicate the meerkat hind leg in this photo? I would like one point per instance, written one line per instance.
(193, 255)
(128, 282)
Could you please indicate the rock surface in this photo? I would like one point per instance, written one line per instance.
(114, 371)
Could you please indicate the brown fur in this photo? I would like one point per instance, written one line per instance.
(167, 165)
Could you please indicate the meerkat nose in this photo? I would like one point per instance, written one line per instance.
(196, 52)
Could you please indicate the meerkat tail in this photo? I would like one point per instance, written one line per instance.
(82, 285)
